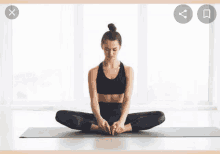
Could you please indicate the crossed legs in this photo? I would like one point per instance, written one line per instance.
(87, 121)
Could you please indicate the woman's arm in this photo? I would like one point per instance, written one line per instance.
(93, 93)
(128, 92)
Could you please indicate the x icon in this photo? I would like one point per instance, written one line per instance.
(12, 12)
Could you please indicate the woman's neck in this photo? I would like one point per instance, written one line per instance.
(111, 63)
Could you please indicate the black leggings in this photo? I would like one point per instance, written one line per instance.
(111, 112)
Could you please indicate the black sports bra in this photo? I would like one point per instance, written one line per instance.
(111, 86)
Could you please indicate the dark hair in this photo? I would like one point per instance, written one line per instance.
(111, 35)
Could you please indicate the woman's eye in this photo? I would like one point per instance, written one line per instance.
(110, 50)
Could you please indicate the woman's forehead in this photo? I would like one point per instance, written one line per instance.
(111, 44)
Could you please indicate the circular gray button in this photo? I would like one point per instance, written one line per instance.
(206, 14)
(11, 12)
(183, 13)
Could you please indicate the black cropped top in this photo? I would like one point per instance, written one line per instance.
(111, 86)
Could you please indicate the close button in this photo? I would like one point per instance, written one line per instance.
(11, 12)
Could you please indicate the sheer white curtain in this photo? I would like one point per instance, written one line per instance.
(5, 58)
(216, 63)
(43, 54)
(178, 57)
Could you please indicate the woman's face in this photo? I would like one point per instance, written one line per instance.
(111, 49)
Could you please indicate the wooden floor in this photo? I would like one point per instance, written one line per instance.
(14, 122)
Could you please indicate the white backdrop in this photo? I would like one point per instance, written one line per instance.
(43, 52)
(178, 56)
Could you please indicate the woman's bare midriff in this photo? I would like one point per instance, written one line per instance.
(111, 98)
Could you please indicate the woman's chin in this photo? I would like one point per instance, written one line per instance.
(111, 58)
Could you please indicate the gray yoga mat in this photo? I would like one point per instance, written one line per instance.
(65, 132)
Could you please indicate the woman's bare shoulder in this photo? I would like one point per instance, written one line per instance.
(128, 70)
(93, 71)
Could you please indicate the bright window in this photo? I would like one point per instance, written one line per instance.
(43, 48)
(178, 56)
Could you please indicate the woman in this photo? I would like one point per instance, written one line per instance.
(110, 88)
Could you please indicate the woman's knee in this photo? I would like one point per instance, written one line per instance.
(60, 114)
(161, 118)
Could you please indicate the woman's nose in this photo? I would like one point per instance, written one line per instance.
(111, 53)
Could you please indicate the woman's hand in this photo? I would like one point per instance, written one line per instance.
(118, 127)
(103, 124)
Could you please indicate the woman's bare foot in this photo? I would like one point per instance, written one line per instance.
(127, 128)
(95, 127)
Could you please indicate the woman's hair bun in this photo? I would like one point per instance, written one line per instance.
(112, 27)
